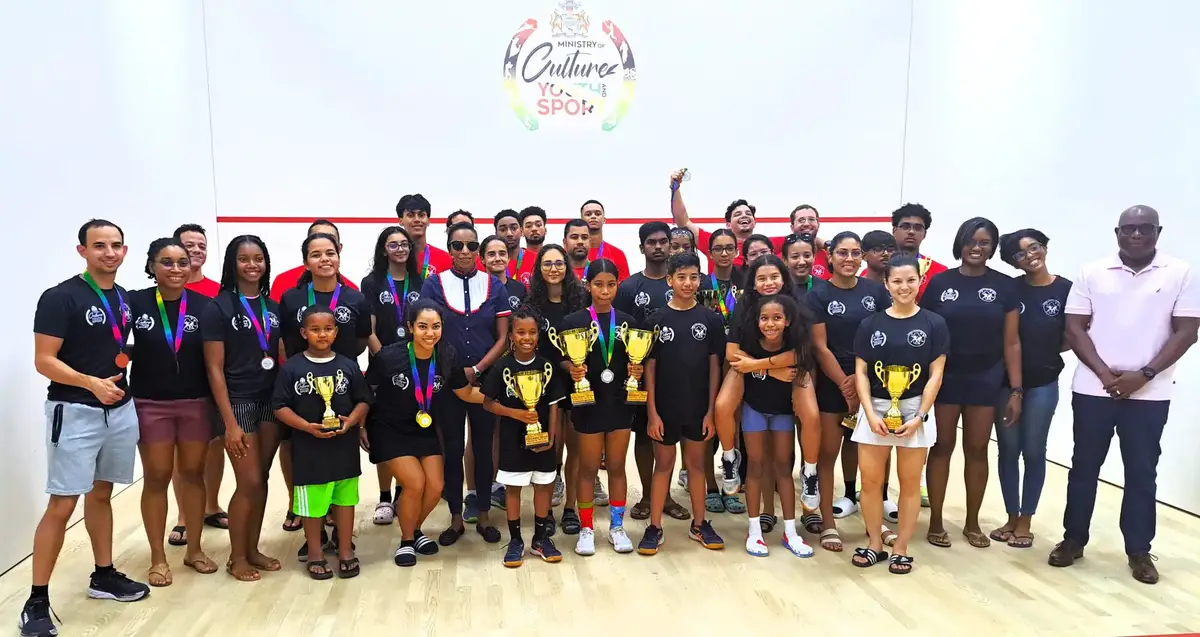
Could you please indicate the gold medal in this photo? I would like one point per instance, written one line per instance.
(424, 420)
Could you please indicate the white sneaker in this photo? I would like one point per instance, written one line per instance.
(620, 539)
(797, 545)
(891, 511)
(843, 507)
(756, 546)
(730, 480)
(682, 481)
(559, 491)
(810, 494)
(587, 542)
(599, 497)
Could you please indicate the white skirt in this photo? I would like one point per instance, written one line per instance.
(923, 437)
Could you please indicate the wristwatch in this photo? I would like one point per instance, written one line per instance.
(1149, 373)
(1019, 391)
(476, 370)
(923, 417)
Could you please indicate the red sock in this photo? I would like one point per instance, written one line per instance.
(585, 514)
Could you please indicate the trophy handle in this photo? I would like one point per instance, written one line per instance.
(312, 382)
(552, 334)
(507, 376)
(593, 334)
(547, 374)
(623, 333)
(657, 330)
(879, 372)
(338, 378)
(916, 373)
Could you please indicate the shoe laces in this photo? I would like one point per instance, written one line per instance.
(36, 604)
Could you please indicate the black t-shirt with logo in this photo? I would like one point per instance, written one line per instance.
(612, 393)
(764, 393)
(352, 315)
(552, 316)
(516, 292)
(686, 339)
(321, 460)
(382, 305)
(225, 320)
(396, 403)
(72, 311)
(155, 374)
(842, 310)
(801, 290)
(1043, 329)
(974, 308)
(917, 340)
(640, 295)
(514, 457)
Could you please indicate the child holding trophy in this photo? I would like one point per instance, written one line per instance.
(324, 397)
(602, 428)
(899, 356)
(523, 390)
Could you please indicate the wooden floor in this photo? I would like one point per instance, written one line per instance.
(685, 589)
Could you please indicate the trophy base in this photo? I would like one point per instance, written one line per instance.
(583, 398)
(850, 421)
(539, 439)
(331, 424)
(893, 423)
(636, 397)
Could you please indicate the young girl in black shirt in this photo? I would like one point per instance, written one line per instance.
(173, 402)
(799, 252)
(241, 348)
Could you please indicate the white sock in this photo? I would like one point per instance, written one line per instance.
(496, 486)
(470, 491)
(755, 529)
(789, 528)
(727, 455)
(810, 468)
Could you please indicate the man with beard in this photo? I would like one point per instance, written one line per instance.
(289, 279)
(910, 222)
(533, 228)
(195, 241)
(577, 243)
(592, 212)
(413, 212)
(508, 227)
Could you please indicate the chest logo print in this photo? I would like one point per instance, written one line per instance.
(950, 294)
(699, 331)
(666, 335)
(642, 299)
(400, 380)
(1051, 307)
(834, 308)
(878, 339)
(342, 314)
(868, 303)
(917, 338)
(987, 295)
(144, 322)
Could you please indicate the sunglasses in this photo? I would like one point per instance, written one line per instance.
(459, 246)
(1144, 229)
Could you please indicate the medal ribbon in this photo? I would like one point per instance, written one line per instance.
(726, 302)
(263, 330)
(423, 401)
(112, 318)
(175, 342)
(606, 344)
(425, 265)
(398, 301)
(517, 269)
(337, 291)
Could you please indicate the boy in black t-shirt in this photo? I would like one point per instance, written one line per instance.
(312, 387)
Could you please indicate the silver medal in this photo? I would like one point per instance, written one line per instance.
(268, 363)
(607, 376)
(400, 332)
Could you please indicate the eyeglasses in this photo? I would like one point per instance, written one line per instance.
(1029, 251)
(723, 249)
(908, 226)
(182, 264)
(470, 246)
(1144, 229)
(397, 246)
(554, 265)
(805, 220)
(848, 254)
(972, 243)
(881, 250)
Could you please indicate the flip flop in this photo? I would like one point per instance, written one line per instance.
(201, 564)
(163, 574)
(178, 536)
(676, 510)
(218, 520)
(940, 540)
(889, 537)
(977, 539)
(292, 522)
(1001, 534)
(348, 568)
(319, 570)
(247, 576)
(868, 557)
(831, 540)
(900, 565)
(1021, 541)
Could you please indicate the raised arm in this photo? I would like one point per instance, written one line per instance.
(679, 211)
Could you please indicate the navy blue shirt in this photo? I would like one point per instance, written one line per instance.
(842, 310)
(1043, 329)
(386, 308)
(473, 304)
(974, 308)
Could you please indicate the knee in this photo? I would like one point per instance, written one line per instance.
(976, 451)
(942, 449)
(61, 507)
(155, 479)
(615, 466)
(102, 492)
(433, 484)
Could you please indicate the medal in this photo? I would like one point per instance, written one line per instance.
(267, 363)
(122, 359)
(399, 301)
(262, 330)
(607, 376)
(424, 419)
(607, 343)
(424, 399)
(400, 332)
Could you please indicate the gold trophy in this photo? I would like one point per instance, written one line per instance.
(575, 344)
(896, 380)
(637, 345)
(325, 386)
(529, 386)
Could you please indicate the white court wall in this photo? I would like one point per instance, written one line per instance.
(105, 116)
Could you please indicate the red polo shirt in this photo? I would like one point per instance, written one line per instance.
(205, 286)
(520, 268)
(285, 281)
(776, 243)
(929, 268)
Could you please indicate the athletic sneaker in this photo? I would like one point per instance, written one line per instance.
(797, 546)
(560, 490)
(756, 546)
(843, 507)
(731, 481)
(924, 496)
(116, 586)
(651, 540)
(405, 556)
(891, 512)
(471, 508)
(810, 496)
(599, 497)
(586, 544)
(35, 619)
(682, 480)
(545, 549)
(620, 539)
(514, 555)
(706, 535)
(499, 500)
(424, 545)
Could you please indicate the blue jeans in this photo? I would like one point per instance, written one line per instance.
(1024, 438)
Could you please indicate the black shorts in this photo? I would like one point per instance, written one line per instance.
(388, 442)
(972, 389)
(250, 414)
(829, 396)
(639, 420)
(676, 429)
(601, 419)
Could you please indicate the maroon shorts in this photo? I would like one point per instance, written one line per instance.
(175, 421)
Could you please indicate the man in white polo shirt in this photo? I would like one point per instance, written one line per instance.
(1129, 320)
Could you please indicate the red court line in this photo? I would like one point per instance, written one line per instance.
(616, 220)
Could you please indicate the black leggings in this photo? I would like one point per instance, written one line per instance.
(454, 439)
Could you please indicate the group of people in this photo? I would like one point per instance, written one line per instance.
(473, 390)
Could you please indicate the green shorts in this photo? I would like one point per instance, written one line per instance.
(314, 500)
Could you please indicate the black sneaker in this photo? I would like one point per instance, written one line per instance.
(651, 541)
(706, 535)
(515, 555)
(405, 556)
(424, 545)
(499, 498)
(35, 619)
(115, 586)
(545, 549)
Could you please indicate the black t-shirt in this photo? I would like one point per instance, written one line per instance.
(514, 456)
(801, 290)
(1043, 329)
(396, 403)
(763, 393)
(225, 320)
(321, 460)
(552, 316)
(640, 295)
(73, 312)
(686, 339)
(842, 310)
(974, 308)
(154, 374)
(611, 393)
(917, 340)
(383, 305)
(516, 292)
(352, 315)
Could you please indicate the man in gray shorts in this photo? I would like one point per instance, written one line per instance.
(80, 332)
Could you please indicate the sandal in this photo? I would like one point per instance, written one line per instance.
(813, 522)
(767, 522)
(1021, 541)
(1002, 534)
(866, 558)
(218, 520)
(977, 539)
(159, 576)
(348, 568)
(251, 575)
(268, 564)
(714, 503)
(889, 537)
(451, 535)
(733, 504)
(201, 564)
(831, 540)
(292, 522)
(640, 511)
(177, 537)
(940, 540)
(676, 510)
(900, 565)
(385, 514)
(319, 570)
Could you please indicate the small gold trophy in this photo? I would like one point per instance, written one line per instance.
(896, 380)
(529, 386)
(637, 345)
(325, 386)
(575, 344)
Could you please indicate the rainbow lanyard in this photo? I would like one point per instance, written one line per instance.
(726, 302)
(117, 329)
(424, 400)
(175, 342)
(337, 291)
(520, 259)
(607, 344)
(599, 255)
(425, 265)
(263, 330)
(398, 300)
